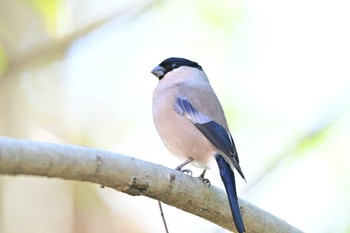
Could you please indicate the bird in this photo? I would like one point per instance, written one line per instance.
(191, 122)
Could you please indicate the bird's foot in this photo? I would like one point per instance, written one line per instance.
(204, 180)
(187, 171)
(179, 168)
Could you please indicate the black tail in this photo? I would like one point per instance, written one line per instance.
(228, 178)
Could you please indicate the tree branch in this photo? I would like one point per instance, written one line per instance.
(134, 177)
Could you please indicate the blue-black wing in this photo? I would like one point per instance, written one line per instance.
(212, 130)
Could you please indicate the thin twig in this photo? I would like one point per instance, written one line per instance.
(163, 217)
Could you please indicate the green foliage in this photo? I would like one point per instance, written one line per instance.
(220, 16)
(49, 10)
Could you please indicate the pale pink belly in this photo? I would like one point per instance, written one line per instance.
(182, 138)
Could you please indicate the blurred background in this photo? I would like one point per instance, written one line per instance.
(78, 72)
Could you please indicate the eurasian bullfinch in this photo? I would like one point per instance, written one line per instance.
(191, 122)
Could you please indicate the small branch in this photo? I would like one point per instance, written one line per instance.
(134, 177)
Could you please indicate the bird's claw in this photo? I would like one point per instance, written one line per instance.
(187, 171)
(204, 180)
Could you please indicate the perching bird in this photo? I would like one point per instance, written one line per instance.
(191, 122)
